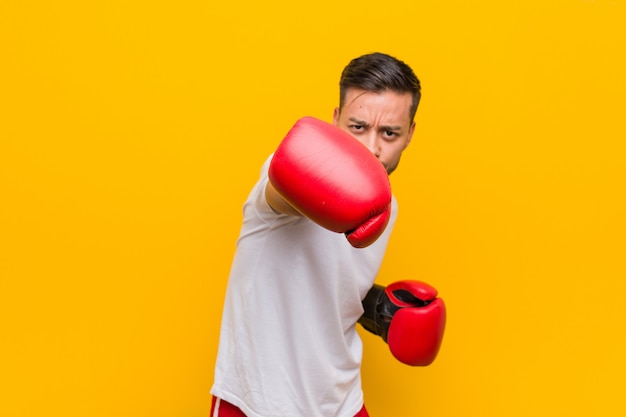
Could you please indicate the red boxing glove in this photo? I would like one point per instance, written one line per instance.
(333, 179)
(409, 317)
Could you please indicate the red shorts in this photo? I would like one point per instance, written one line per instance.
(221, 408)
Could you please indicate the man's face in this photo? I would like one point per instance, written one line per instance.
(379, 121)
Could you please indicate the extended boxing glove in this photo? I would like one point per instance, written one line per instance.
(409, 317)
(333, 179)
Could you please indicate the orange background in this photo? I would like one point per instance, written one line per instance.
(131, 132)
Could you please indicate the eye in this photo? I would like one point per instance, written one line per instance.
(357, 128)
(389, 134)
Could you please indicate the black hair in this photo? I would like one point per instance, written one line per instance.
(377, 72)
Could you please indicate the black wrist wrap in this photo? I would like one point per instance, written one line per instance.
(379, 309)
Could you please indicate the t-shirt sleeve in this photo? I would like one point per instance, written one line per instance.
(258, 202)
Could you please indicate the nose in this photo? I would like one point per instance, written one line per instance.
(373, 143)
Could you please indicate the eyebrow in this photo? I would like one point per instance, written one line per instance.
(364, 123)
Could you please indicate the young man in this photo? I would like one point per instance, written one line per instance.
(315, 229)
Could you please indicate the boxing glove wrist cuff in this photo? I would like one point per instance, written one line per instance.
(379, 309)
(371, 320)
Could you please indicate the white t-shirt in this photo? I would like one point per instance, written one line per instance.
(288, 344)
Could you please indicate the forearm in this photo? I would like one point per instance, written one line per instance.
(278, 203)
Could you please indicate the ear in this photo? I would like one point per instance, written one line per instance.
(410, 135)
(336, 116)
